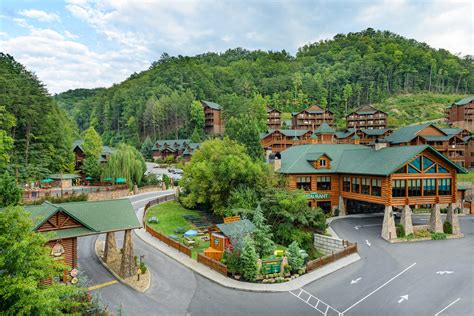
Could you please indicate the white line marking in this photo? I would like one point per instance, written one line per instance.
(318, 301)
(365, 297)
(444, 272)
(452, 303)
(356, 280)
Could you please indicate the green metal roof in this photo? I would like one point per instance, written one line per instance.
(353, 159)
(406, 134)
(235, 228)
(464, 101)
(69, 232)
(96, 217)
(438, 138)
(374, 131)
(212, 105)
(106, 150)
(170, 142)
(451, 130)
(324, 128)
(64, 176)
(348, 132)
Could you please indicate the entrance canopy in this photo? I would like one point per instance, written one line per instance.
(77, 219)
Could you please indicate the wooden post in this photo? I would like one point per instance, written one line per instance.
(110, 250)
(127, 265)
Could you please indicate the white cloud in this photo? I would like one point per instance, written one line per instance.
(40, 15)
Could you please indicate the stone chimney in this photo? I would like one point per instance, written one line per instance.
(276, 164)
(268, 152)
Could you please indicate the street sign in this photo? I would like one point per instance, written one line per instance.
(318, 196)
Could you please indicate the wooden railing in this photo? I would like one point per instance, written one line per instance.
(213, 264)
(318, 263)
(170, 242)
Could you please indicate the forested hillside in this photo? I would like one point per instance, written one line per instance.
(341, 74)
(35, 134)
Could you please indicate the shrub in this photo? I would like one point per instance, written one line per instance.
(400, 230)
(287, 268)
(447, 227)
(295, 259)
(424, 233)
(444, 211)
(248, 259)
(336, 212)
(438, 236)
(143, 267)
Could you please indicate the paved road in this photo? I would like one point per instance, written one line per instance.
(412, 267)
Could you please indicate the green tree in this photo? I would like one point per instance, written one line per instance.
(248, 259)
(126, 162)
(219, 166)
(147, 149)
(197, 121)
(92, 143)
(295, 259)
(7, 121)
(244, 129)
(10, 193)
(25, 262)
(262, 234)
(92, 167)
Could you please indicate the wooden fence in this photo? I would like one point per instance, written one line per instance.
(170, 242)
(318, 263)
(213, 264)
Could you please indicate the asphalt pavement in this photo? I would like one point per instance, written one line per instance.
(421, 278)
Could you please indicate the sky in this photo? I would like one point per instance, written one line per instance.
(86, 44)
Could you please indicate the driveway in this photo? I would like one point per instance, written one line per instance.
(386, 273)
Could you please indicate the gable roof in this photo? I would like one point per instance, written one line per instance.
(366, 109)
(286, 132)
(374, 131)
(106, 150)
(353, 159)
(96, 217)
(243, 226)
(324, 128)
(269, 109)
(313, 109)
(406, 134)
(464, 101)
(212, 105)
(170, 142)
(348, 132)
(451, 130)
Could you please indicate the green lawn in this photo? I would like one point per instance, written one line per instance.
(469, 177)
(170, 215)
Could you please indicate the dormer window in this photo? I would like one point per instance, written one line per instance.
(322, 163)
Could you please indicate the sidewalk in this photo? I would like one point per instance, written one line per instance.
(239, 285)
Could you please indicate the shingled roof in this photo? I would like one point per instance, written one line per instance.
(96, 217)
(353, 159)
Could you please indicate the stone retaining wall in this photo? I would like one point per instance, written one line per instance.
(110, 195)
(328, 245)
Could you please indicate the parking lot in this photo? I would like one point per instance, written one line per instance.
(417, 278)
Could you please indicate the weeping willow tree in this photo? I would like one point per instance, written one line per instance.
(126, 162)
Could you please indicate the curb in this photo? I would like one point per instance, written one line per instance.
(246, 286)
(116, 275)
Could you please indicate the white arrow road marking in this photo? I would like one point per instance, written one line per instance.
(369, 225)
(356, 280)
(357, 227)
(403, 298)
(444, 272)
(367, 242)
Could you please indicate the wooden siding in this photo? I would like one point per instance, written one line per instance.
(70, 250)
(58, 221)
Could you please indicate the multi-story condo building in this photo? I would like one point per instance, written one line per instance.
(461, 113)
(213, 120)
(367, 117)
(311, 118)
(273, 118)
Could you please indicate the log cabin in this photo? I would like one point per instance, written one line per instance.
(273, 118)
(64, 223)
(80, 156)
(179, 148)
(352, 179)
(461, 113)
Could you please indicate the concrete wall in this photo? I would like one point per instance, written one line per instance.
(110, 195)
(327, 244)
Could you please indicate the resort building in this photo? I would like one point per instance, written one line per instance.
(80, 156)
(365, 136)
(213, 120)
(351, 179)
(367, 117)
(461, 113)
(311, 118)
(64, 223)
(175, 148)
(273, 118)
(448, 141)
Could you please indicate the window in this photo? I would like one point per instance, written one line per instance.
(442, 169)
(365, 186)
(324, 183)
(398, 188)
(356, 185)
(427, 163)
(429, 187)
(402, 170)
(303, 183)
(414, 187)
(472, 154)
(322, 162)
(444, 186)
(346, 184)
(412, 170)
(417, 163)
(376, 187)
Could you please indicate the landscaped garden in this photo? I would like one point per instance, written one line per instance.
(173, 220)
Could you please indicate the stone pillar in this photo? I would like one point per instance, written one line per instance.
(406, 220)
(452, 217)
(127, 265)
(110, 250)
(342, 207)
(435, 219)
(388, 228)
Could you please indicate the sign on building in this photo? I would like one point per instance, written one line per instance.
(318, 196)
